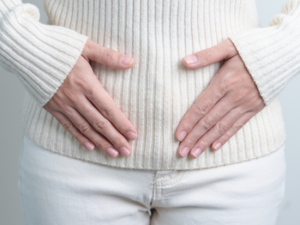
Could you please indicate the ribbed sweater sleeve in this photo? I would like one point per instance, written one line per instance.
(272, 54)
(40, 55)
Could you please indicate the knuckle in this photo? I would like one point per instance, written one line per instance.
(219, 93)
(110, 55)
(67, 125)
(107, 111)
(91, 92)
(100, 125)
(207, 55)
(80, 83)
(208, 122)
(202, 109)
(223, 127)
(84, 127)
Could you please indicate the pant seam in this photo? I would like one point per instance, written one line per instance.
(153, 183)
(171, 182)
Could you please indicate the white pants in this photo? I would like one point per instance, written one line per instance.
(59, 190)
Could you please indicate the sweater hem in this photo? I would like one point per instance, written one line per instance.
(159, 169)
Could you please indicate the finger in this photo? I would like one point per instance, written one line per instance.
(106, 56)
(68, 125)
(220, 128)
(216, 131)
(204, 103)
(103, 126)
(85, 128)
(206, 123)
(108, 108)
(232, 131)
(222, 51)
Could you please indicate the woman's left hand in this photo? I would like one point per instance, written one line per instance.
(226, 105)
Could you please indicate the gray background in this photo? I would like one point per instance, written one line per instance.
(11, 96)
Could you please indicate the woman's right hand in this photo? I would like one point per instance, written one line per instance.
(86, 110)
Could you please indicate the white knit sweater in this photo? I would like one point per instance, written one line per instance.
(158, 90)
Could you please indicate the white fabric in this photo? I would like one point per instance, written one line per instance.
(61, 190)
(158, 90)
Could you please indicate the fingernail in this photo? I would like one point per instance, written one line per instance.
(218, 145)
(88, 145)
(191, 59)
(126, 60)
(185, 151)
(112, 152)
(124, 151)
(196, 152)
(131, 135)
(182, 135)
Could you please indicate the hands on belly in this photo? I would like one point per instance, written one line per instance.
(229, 102)
(224, 107)
(86, 110)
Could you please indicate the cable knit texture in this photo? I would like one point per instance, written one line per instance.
(158, 90)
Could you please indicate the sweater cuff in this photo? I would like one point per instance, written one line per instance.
(41, 55)
(271, 56)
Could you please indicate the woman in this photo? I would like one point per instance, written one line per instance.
(175, 103)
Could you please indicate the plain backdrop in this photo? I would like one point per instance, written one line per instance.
(11, 96)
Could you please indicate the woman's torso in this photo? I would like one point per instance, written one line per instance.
(157, 92)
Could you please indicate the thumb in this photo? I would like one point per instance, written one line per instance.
(222, 51)
(106, 56)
